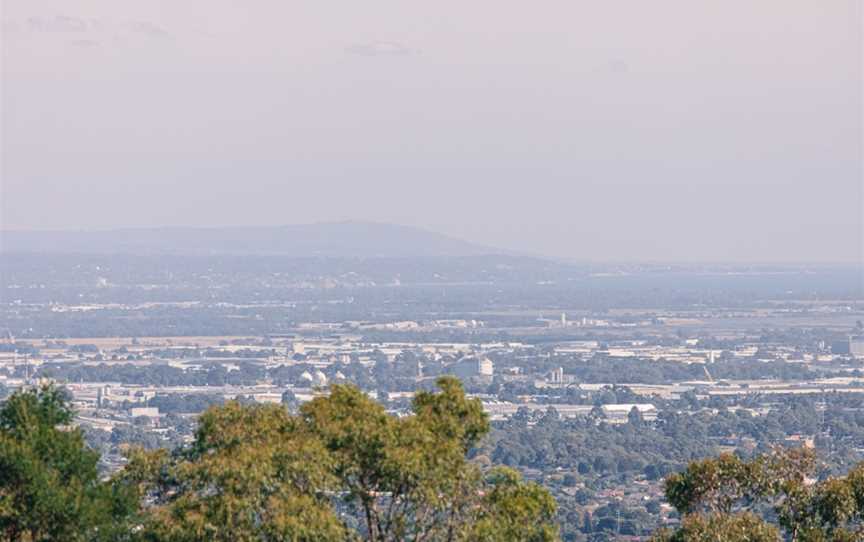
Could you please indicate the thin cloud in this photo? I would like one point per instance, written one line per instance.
(58, 23)
(618, 66)
(148, 29)
(9, 27)
(87, 28)
(380, 48)
(84, 44)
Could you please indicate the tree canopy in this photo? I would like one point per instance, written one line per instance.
(771, 498)
(341, 468)
(49, 484)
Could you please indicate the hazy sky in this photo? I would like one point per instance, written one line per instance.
(607, 129)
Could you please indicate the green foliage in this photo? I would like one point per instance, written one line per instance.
(342, 468)
(409, 479)
(514, 510)
(712, 484)
(49, 486)
(250, 475)
(742, 527)
(721, 499)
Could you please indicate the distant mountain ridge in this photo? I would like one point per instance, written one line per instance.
(328, 239)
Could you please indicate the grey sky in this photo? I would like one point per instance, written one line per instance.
(626, 130)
